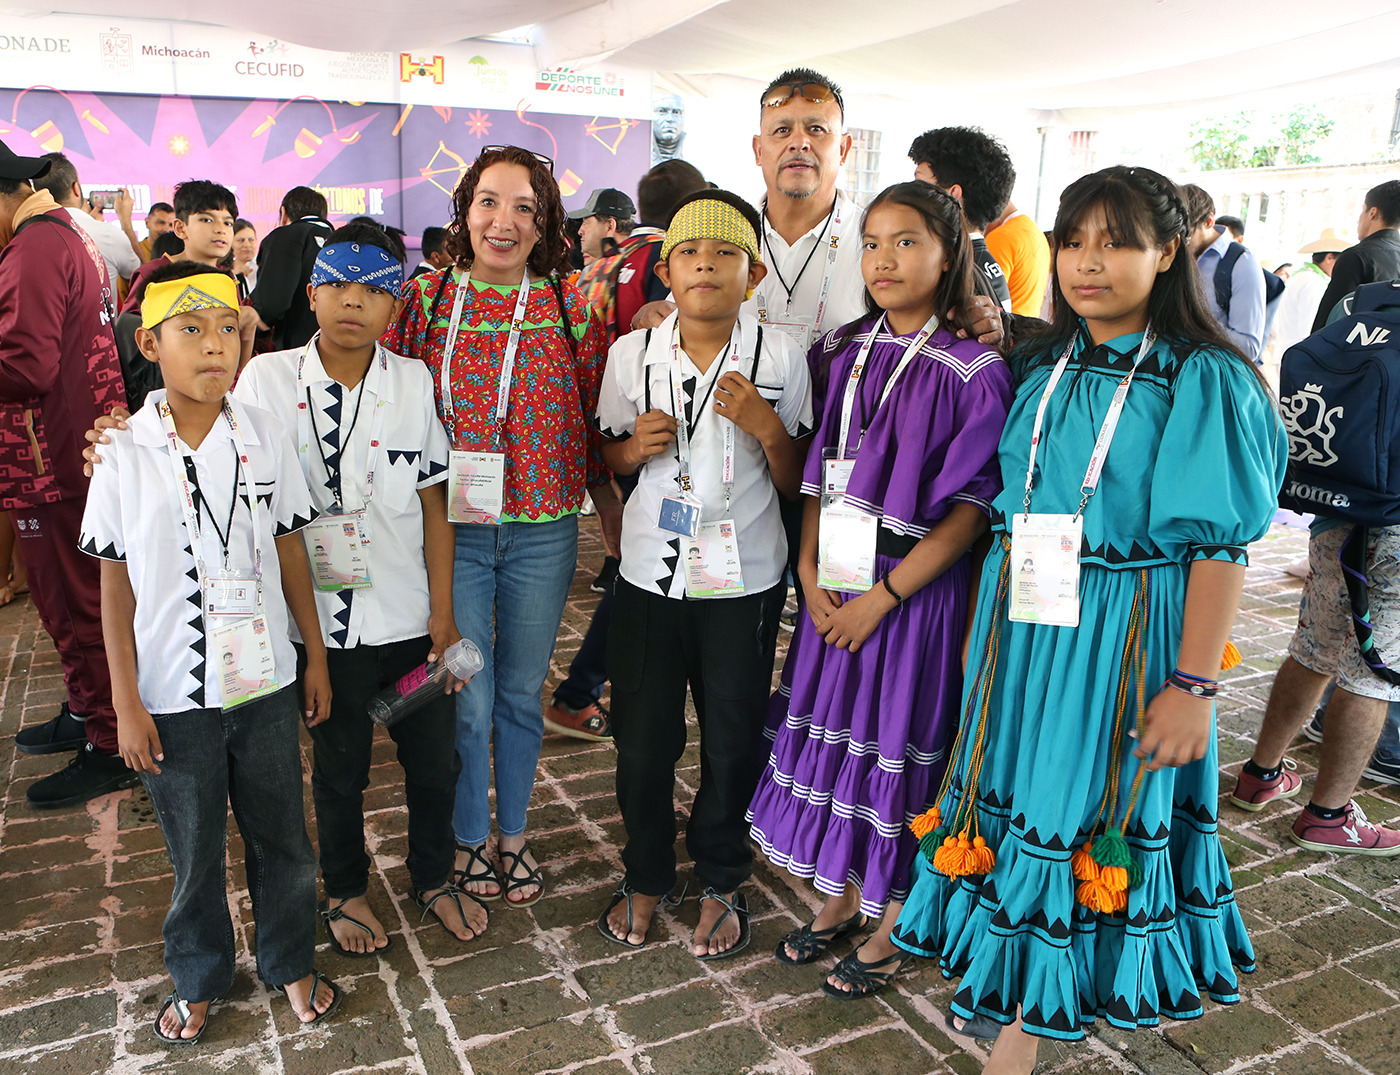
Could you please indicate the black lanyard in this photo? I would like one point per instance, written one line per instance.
(208, 510)
(810, 254)
(333, 472)
(695, 413)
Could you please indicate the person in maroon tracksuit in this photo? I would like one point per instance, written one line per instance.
(59, 370)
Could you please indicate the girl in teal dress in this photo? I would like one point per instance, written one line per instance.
(1072, 867)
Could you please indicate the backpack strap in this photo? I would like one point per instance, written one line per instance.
(1223, 284)
(564, 315)
(646, 381)
(1370, 297)
(1353, 561)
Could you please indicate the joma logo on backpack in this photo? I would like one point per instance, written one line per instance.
(1325, 497)
(1367, 337)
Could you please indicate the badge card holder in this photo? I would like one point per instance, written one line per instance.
(245, 660)
(846, 535)
(1045, 569)
(680, 515)
(476, 487)
(336, 547)
(712, 566)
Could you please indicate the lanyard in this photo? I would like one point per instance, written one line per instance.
(240, 478)
(858, 371)
(306, 415)
(833, 228)
(684, 430)
(517, 319)
(1106, 431)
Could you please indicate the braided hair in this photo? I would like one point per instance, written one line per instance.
(1143, 209)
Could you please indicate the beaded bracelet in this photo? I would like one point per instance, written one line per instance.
(1196, 686)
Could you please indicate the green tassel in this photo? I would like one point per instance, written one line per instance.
(1111, 849)
(939, 834)
(1134, 875)
(931, 842)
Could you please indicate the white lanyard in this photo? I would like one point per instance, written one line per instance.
(1106, 431)
(172, 443)
(507, 360)
(827, 274)
(678, 399)
(848, 400)
(305, 424)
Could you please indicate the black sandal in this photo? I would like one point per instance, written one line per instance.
(316, 979)
(336, 914)
(624, 892)
(454, 893)
(810, 943)
(738, 907)
(476, 856)
(510, 860)
(182, 1013)
(982, 1027)
(862, 977)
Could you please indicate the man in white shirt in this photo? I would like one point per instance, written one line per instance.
(118, 246)
(1298, 304)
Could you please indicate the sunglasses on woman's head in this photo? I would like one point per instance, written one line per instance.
(814, 92)
(548, 162)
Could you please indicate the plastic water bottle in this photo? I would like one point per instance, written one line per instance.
(425, 682)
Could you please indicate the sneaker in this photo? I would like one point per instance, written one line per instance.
(57, 736)
(1313, 728)
(606, 577)
(1253, 794)
(1350, 834)
(1382, 772)
(788, 621)
(90, 774)
(590, 722)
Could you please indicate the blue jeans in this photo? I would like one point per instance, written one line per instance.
(509, 584)
(247, 758)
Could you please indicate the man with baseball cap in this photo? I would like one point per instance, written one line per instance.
(608, 214)
(1297, 307)
(58, 372)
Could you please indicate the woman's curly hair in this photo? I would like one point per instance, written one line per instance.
(550, 254)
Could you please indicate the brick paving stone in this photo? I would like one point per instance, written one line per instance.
(1374, 1043)
(1221, 1037)
(1318, 1002)
(724, 1048)
(677, 1011)
(887, 1050)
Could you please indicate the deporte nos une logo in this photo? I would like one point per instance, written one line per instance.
(1367, 337)
(1310, 425)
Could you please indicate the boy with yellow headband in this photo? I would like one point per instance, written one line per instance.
(195, 518)
(709, 410)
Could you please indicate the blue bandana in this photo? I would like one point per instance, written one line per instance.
(358, 263)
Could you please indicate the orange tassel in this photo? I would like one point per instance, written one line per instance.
(1098, 897)
(983, 858)
(941, 861)
(926, 822)
(1230, 658)
(1114, 878)
(1082, 863)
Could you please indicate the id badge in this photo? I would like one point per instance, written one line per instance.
(245, 660)
(836, 473)
(797, 329)
(712, 562)
(230, 595)
(476, 487)
(1045, 569)
(336, 547)
(845, 547)
(679, 515)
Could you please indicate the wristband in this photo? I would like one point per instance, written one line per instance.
(1195, 686)
(885, 578)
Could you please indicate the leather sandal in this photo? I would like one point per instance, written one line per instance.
(182, 1013)
(511, 862)
(809, 943)
(738, 907)
(862, 977)
(317, 978)
(982, 1027)
(478, 869)
(455, 894)
(337, 914)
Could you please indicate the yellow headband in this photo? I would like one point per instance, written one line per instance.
(203, 291)
(708, 218)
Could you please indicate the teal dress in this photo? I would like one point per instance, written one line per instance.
(1193, 474)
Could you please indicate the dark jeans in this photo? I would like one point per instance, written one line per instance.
(724, 649)
(246, 758)
(588, 671)
(342, 759)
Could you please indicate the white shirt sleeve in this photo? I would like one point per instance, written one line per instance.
(292, 508)
(794, 406)
(617, 398)
(101, 532)
(437, 450)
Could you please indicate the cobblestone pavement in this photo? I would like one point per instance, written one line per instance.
(83, 891)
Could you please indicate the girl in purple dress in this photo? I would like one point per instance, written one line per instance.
(897, 487)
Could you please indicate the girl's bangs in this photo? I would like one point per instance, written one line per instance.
(1121, 206)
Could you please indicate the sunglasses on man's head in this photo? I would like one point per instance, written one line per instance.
(808, 91)
(548, 162)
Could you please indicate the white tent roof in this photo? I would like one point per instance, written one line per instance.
(1046, 54)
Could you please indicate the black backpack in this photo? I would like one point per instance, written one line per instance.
(1224, 285)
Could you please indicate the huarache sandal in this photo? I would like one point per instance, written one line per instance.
(337, 914)
(317, 978)
(478, 869)
(182, 1013)
(739, 907)
(862, 977)
(810, 943)
(514, 861)
(455, 894)
(626, 892)
(983, 1027)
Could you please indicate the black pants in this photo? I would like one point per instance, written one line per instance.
(724, 649)
(340, 774)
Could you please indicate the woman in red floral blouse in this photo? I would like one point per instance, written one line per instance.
(524, 452)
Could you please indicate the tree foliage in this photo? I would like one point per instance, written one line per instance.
(1243, 140)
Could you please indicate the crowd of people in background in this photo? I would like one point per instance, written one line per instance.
(1008, 476)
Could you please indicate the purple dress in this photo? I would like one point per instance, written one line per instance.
(861, 739)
